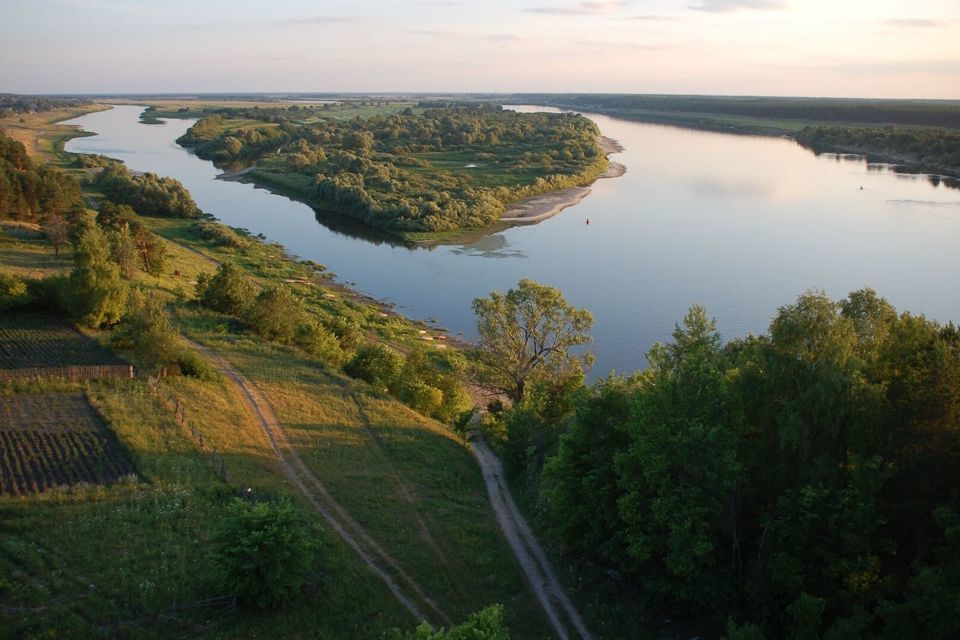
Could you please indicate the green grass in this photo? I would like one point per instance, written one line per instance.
(384, 466)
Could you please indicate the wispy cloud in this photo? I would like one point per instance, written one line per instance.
(899, 67)
(607, 44)
(914, 23)
(431, 33)
(502, 37)
(726, 6)
(317, 20)
(582, 8)
(654, 18)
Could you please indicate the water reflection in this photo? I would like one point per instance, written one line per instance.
(494, 246)
(347, 226)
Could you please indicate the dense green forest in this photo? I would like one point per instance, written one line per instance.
(927, 113)
(935, 148)
(29, 190)
(436, 168)
(799, 484)
(148, 193)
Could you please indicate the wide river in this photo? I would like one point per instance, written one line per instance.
(739, 224)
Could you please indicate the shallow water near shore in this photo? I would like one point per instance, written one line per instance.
(740, 224)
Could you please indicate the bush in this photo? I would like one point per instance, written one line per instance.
(228, 291)
(96, 295)
(264, 552)
(275, 314)
(348, 332)
(147, 326)
(315, 339)
(13, 292)
(376, 364)
(196, 367)
(486, 624)
(49, 294)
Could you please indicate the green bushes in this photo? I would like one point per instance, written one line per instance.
(228, 291)
(376, 364)
(486, 624)
(97, 295)
(416, 380)
(276, 314)
(13, 292)
(265, 552)
(148, 193)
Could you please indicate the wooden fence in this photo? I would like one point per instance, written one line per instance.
(172, 402)
(73, 374)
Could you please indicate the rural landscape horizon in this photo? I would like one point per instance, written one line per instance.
(443, 320)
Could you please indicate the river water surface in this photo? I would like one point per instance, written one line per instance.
(739, 224)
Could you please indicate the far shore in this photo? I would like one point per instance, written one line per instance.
(546, 205)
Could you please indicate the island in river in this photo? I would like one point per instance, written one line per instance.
(418, 172)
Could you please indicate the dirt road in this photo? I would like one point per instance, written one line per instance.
(400, 584)
(536, 567)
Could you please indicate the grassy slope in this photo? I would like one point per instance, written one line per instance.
(111, 560)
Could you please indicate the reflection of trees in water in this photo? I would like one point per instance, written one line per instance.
(351, 227)
(493, 246)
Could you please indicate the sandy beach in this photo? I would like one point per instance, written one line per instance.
(547, 205)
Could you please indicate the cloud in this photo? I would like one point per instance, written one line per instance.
(899, 67)
(913, 23)
(431, 33)
(607, 44)
(725, 6)
(316, 20)
(502, 37)
(654, 18)
(582, 8)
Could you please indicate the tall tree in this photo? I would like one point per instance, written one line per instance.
(529, 334)
(97, 294)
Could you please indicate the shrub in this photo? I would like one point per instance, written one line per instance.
(196, 367)
(228, 291)
(275, 314)
(376, 364)
(264, 552)
(97, 296)
(348, 332)
(318, 341)
(13, 292)
(486, 624)
(147, 326)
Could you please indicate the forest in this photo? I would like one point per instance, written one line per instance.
(801, 483)
(935, 148)
(31, 191)
(430, 169)
(926, 113)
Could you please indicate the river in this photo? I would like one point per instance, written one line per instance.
(739, 224)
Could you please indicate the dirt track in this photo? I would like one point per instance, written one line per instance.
(403, 587)
(536, 567)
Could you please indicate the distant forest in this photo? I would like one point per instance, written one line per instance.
(924, 134)
(926, 113)
(11, 103)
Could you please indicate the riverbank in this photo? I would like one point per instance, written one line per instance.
(771, 127)
(546, 205)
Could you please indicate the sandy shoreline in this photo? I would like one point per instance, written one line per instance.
(547, 205)
(233, 175)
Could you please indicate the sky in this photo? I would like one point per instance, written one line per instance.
(843, 48)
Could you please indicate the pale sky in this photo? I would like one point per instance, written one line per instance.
(856, 48)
